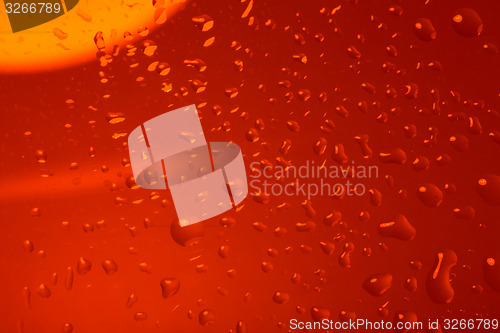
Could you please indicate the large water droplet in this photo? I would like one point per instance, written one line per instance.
(438, 282)
(491, 271)
(467, 23)
(187, 236)
(398, 227)
(488, 188)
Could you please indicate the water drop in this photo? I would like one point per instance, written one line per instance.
(424, 29)
(68, 279)
(396, 155)
(430, 195)
(169, 287)
(140, 316)
(206, 317)
(43, 291)
(67, 328)
(83, 266)
(318, 314)
(189, 235)
(41, 156)
(378, 284)
(411, 284)
(281, 298)
(266, 266)
(109, 266)
(438, 283)
(488, 188)
(241, 327)
(203, 22)
(467, 23)
(398, 227)
(131, 300)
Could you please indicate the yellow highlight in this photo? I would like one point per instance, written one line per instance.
(68, 40)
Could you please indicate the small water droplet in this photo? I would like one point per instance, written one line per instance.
(206, 317)
(281, 298)
(378, 284)
(43, 291)
(203, 22)
(67, 328)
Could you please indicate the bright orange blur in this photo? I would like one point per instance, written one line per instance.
(69, 39)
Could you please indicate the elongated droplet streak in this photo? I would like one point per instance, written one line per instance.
(27, 297)
(68, 279)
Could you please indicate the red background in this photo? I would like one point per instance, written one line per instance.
(65, 130)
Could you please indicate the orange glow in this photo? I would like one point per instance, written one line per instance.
(69, 39)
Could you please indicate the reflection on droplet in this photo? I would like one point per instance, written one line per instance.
(140, 316)
(189, 235)
(27, 297)
(491, 271)
(459, 142)
(467, 23)
(411, 284)
(327, 247)
(109, 266)
(399, 228)
(83, 266)
(281, 298)
(488, 188)
(403, 317)
(378, 284)
(424, 29)
(396, 155)
(318, 314)
(438, 282)
(43, 291)
(41, 156)
(206, 317)
(28, 246)
(68, 279)
(169, 287)
(203, 22)
(115, 117)
(241, 327)
(430, 195)
(67, 328)
(131, 300)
